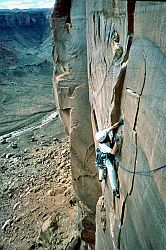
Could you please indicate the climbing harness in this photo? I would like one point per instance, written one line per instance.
(106, 164)
(101, 163)
(100, 158)
(142, 172)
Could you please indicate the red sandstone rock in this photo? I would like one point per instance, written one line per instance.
(125, 44)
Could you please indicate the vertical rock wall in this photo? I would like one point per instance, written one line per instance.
(108, 45)
(122, 46)
(144, 107)
(126, 61)
(72, 95)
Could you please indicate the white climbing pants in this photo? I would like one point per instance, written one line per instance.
(102, 173)
(111, 174)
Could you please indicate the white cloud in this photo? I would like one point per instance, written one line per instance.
(8, 4)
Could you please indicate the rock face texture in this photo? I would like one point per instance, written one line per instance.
(124, 70)
(72, 95)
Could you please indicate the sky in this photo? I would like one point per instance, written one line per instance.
(26, 4)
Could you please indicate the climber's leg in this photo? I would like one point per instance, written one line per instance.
(102, 174)
(112, 177)
(111, 174)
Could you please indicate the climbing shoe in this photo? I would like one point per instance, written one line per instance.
(116, 193)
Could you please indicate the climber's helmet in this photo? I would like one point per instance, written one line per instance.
(101, 136)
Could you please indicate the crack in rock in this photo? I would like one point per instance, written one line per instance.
(143, 85)
(136, 152)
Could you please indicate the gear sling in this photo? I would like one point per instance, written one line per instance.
(105, 162)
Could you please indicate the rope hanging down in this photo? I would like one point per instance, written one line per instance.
(143, 172)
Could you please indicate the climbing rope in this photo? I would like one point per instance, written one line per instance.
(142, 172)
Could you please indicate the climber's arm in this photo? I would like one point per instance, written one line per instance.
(117, 124)
(106, 149)
(114, 126)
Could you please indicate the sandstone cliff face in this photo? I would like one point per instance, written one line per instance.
(125, 44)
(71, 91)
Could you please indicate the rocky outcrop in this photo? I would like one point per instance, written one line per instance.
(125, 44)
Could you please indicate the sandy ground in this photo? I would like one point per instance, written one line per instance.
(37, 209)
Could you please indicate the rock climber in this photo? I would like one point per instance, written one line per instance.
(106, 152)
